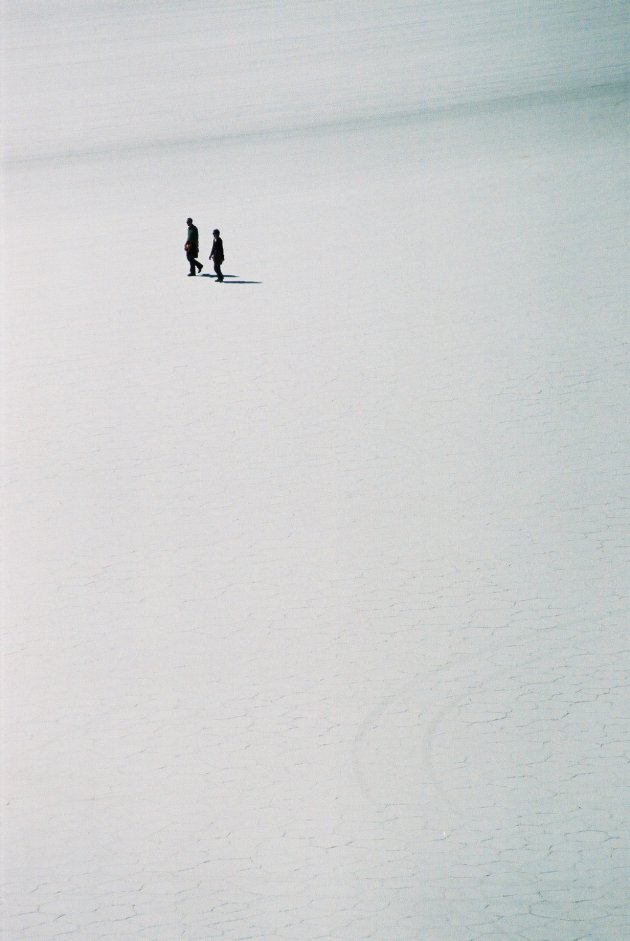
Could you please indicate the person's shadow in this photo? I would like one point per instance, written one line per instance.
(230, 279)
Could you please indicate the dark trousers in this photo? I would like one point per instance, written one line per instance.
(194, 264)
(217, 269)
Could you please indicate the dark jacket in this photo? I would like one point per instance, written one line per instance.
(192, 240)
(217, 250)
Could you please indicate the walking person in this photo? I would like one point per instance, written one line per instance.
(217, 254)
(192, 248)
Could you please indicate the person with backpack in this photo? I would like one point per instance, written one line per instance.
(192, 248)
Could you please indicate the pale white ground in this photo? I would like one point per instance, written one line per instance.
(315, 585)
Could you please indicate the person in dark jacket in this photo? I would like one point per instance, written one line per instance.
(192, 248)
(217, 254)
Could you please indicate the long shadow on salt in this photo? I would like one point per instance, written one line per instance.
(229, 279)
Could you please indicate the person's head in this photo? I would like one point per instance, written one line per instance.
(189, 221)
(216, 232)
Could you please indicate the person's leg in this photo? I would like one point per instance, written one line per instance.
(191, 262)
(217, 269)
(199, 265)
